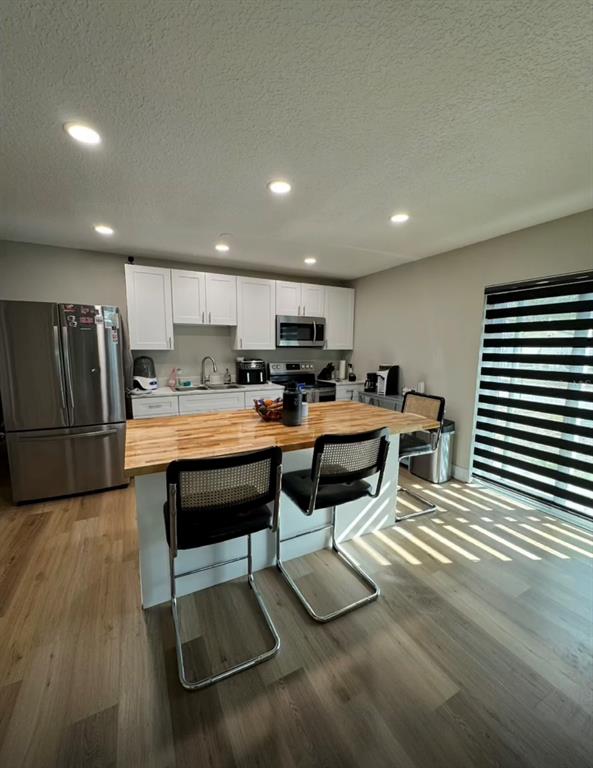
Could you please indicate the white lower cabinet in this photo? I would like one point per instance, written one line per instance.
(184, 405)
(262, 394)
(346, 391)
(222, 401)
(145, 408)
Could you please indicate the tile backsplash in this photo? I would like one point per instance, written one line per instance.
(192, 343)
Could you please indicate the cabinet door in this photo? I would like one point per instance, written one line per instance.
(150, 317)
(348, 391)
(256, 305)
(147, 408)
(221, 299)
(207, 403)
(288, 298)
(261, 394)
(339, 316)
(189, 297)
(313, 300)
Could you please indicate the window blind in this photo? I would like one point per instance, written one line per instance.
(534, 422)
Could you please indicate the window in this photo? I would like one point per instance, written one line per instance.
(534, 423)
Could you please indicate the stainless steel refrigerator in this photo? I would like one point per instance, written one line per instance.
(62, 396)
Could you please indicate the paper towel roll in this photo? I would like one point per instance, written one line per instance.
(342, 370)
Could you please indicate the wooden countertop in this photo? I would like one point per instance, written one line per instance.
(151, 444)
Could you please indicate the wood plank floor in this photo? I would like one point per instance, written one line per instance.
(478, 653)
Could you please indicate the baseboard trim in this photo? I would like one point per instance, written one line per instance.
(461, 473)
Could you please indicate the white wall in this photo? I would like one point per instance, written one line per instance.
(30, 272)
(426, 315)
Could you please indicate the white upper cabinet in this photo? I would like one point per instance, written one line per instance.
(203, 298)
(288, 298)
(299, 299)
(150, 317)
(256, 310)
(339, 317)
(221, 299)
(313, 300)
(189, 297)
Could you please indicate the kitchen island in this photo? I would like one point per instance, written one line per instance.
(152, 444)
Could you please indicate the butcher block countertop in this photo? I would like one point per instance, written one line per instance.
(151, 444)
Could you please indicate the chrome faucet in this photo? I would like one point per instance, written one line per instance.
(204, 379)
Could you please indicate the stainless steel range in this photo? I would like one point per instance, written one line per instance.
(303, 373)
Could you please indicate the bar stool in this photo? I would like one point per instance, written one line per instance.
(411, 445)
(340, 464)
(215, 500)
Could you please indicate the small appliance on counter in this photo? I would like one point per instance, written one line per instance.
(251, 371)
(370, 384)
(388, 380)
(144, 367)
(145, 384)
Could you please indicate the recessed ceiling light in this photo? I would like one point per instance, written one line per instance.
(279, 187)
(83, 133)
(222, 247)
(399, 218)
(103, 229)
(310, 260)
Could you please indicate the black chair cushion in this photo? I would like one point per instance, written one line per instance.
(200, 529)
(410, 445)
(299, 487)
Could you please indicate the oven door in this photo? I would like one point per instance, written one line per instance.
(294, 331)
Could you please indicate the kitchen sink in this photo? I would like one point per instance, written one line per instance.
(222, 386)
(191, 389)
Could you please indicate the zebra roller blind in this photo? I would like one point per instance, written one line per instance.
(534, 425)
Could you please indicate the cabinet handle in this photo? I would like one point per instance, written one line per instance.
(304, 310)
(209, 317)
(202, 316)
(241, 343)
(299, 309)
(170, 345)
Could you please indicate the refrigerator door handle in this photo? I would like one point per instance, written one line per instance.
(75, 436)
(59, 366)
(68, 376)
(98, 433)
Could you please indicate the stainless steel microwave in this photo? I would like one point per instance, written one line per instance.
(295, 331)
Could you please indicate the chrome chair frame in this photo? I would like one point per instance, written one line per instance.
(196, 685)
(344, 556)
(429, 507)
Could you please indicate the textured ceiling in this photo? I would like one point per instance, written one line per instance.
(473, 115)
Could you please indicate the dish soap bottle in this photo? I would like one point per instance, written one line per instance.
(227, 377)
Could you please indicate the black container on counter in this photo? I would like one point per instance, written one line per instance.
(292, 406)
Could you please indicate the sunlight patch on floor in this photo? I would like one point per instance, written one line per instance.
(450, 544)
(531, 541)
(506, 543)
(558, 541)
(422, 545)
(478, 544)
(409, 558)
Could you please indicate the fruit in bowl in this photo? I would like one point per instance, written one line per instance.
(269, 410)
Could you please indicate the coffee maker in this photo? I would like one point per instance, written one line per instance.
(388, 380)
(370, 385)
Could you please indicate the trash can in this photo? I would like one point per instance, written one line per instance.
(436, 467)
